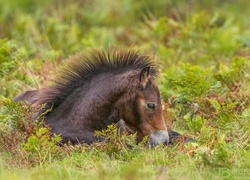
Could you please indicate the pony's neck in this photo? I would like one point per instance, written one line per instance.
(107, 93)
(95, 104)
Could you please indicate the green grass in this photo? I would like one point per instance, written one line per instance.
(203, 47)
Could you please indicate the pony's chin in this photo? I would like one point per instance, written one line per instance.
(157, 138)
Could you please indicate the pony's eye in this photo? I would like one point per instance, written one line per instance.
(151, 106)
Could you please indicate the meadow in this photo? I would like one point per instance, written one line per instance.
(204, 51)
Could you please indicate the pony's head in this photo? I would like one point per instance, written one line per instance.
(142, 113)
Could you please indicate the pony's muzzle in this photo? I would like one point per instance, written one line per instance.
(157, 138)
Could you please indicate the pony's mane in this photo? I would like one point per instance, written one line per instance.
(81, 68)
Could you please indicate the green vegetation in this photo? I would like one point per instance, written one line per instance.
(204, 49)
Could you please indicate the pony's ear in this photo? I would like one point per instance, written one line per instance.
(144, 75)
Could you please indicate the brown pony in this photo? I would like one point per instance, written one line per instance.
(96, 90)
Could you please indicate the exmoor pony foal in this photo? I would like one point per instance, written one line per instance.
(95, 90)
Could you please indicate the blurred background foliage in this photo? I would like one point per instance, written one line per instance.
(195, 41)
(202, 45)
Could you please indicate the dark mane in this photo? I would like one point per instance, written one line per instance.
(80, 68)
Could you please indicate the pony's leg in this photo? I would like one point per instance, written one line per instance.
(122, 127)
(173, 136)
(73, 135)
